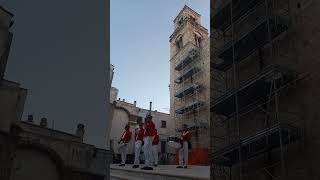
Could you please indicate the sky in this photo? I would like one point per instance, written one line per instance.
(60, 54)
(140, 49)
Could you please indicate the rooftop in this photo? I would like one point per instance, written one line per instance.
(184, 9)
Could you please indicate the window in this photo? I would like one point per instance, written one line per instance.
(180, 21)
(179, 42)
(163, 124)
(163, 147)
(193, 19)
(197, 39)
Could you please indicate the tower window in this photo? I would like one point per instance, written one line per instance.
(179, 43)
(180, 21)
(193, 19)
(197, 40)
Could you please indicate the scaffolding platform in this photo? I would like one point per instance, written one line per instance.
(248, 43)
(188, 90)
(194, 105)
(190, 72)
(257, 144)
(192, 55)
(222, 20)
(253, 91)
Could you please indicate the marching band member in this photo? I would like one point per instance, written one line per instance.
(155, 148)
(138, 144)
(184, 150)
(148, 135)
(125, 138)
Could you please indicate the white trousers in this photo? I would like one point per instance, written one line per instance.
(123, 151)
(147, 149)
(183, 154)
(137, 150)
(155, 154)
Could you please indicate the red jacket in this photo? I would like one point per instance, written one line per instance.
(156, 140)
(126, 136)
(186, 135)
(139, 135)
(150, 129)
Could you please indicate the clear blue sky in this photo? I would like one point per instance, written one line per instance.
(140, 48)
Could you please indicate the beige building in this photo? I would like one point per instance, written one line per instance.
(190, 77)
(32, 151)
(265, 90)
(129, 113)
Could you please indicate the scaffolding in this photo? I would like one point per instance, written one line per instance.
(188, 86)
(245, 33)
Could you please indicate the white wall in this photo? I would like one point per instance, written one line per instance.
(120, 119)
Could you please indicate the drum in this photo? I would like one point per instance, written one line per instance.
(174, 142)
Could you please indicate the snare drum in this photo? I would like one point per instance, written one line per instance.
(174, 142)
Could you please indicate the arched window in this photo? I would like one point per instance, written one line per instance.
(193, 19)
(179, 42)
(180, 21)
(197, 39)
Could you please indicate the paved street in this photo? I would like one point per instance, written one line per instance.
(160, 172)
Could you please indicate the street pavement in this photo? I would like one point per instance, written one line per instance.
(161, 172)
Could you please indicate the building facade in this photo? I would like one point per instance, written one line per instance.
(265, 90)
(34, 151)
(190, 80)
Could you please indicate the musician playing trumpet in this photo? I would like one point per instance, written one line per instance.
(184, 150)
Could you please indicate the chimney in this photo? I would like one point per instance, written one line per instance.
(80, 131)
(119, 99)
(150, 108)
(43, 122)
(30, 119)
(135, 103)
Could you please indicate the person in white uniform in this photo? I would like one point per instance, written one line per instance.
(147, 139)
(184, 150)
(138, 144)
(155, 148)
(125, 138)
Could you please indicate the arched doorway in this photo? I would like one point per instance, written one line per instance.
(31, 163)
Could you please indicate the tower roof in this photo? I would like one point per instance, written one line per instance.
(185, 8)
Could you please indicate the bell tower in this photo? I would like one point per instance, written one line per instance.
(190, 78)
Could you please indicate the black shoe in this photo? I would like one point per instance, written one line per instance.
(122, 165)
(155, 165)
(147, 168)
(185, 167)
(135, 166)
(179, 167)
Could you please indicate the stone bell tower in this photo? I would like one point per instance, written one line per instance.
(190, 77)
